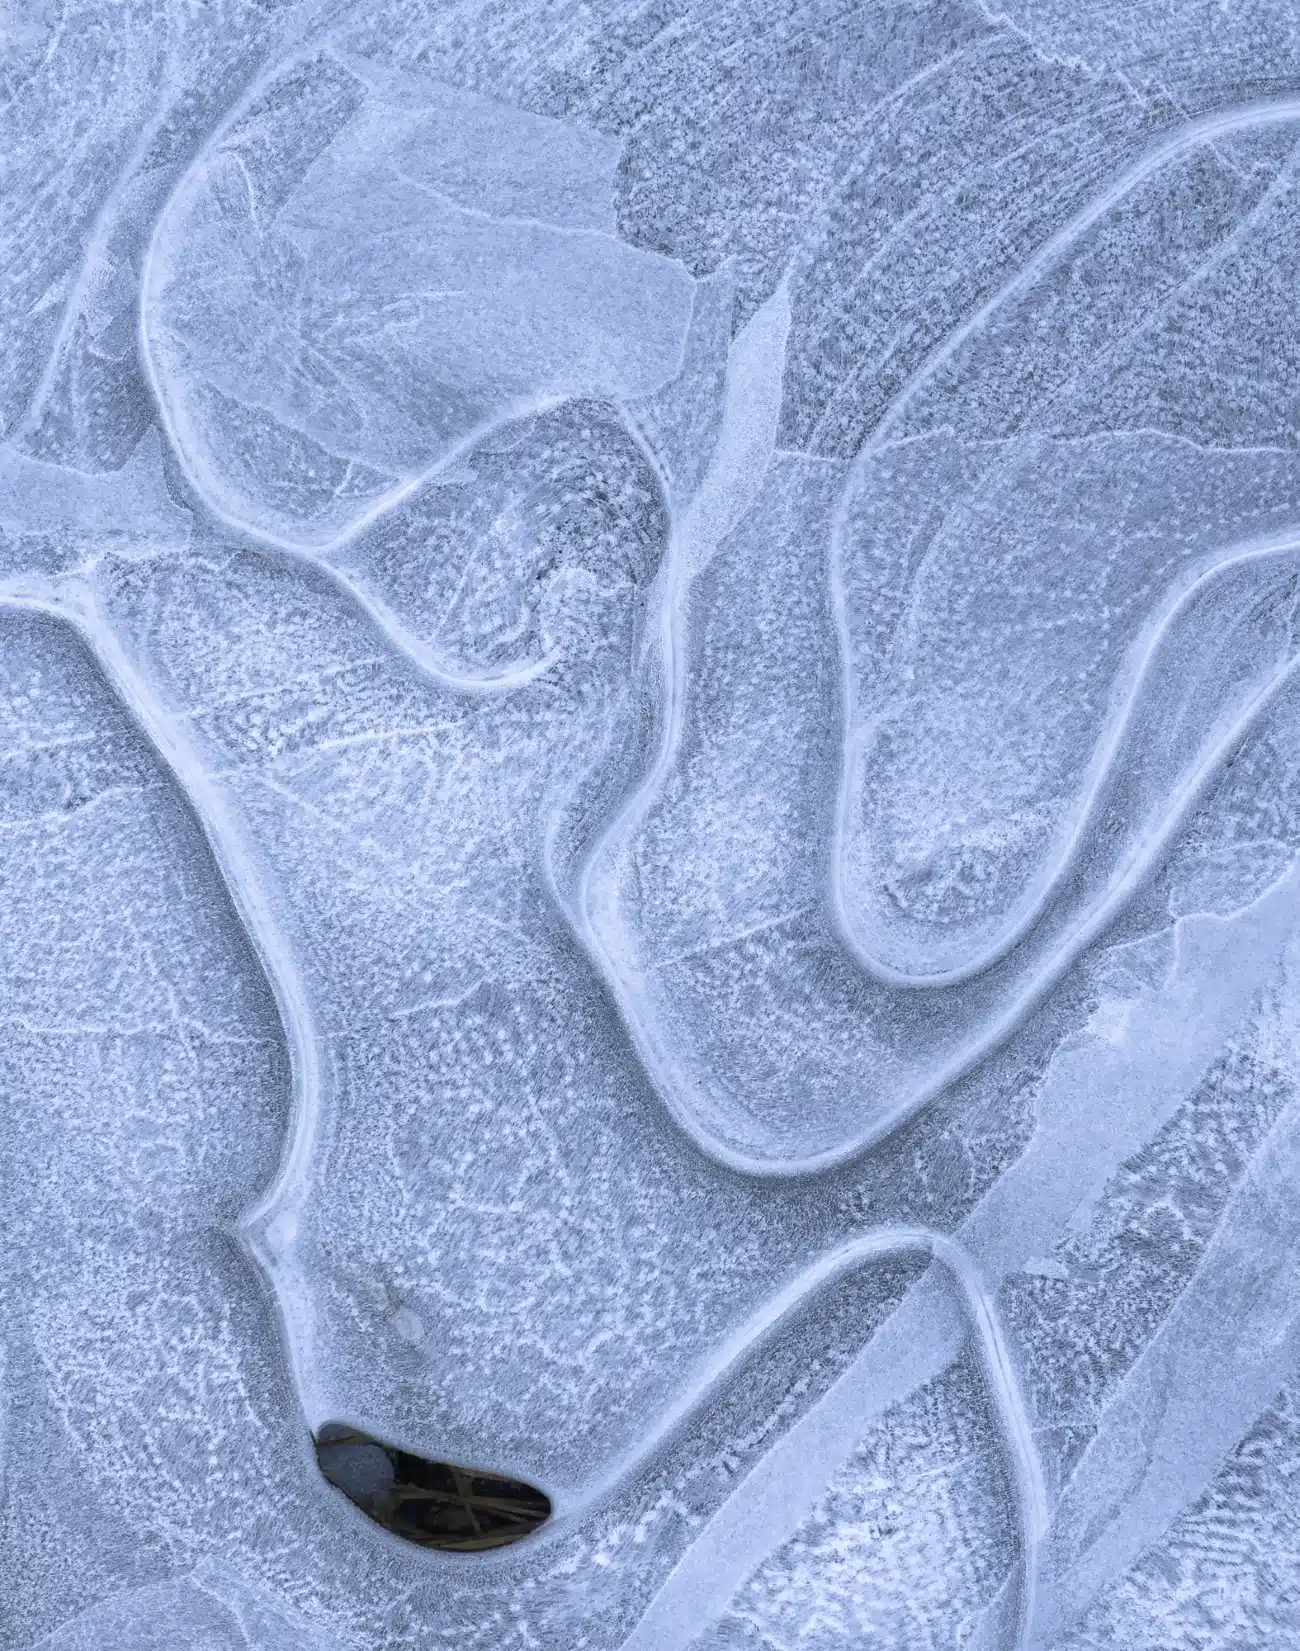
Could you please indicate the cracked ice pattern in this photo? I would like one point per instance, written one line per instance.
(649, 822)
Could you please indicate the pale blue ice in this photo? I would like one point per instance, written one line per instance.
(650, 820)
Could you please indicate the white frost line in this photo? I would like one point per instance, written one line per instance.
(208, 488)
(737, 469)
(673, 1086)
(1227, 122)
(697, 1592)
(237, 866)
(235, 862)
(403, 641)
(624, 820)
(1101, 765)
(1195, 781)
(1136, 1084)
(1193, 787)
(1196, 133)
(104, 224)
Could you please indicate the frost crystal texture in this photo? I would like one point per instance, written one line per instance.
(650, 825)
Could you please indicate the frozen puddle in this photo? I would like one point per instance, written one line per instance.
(649, 827)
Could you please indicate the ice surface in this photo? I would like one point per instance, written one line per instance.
(650, 820)
(370, 294)
(212, 1609)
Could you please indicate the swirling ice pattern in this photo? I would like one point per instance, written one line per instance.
(600, 689)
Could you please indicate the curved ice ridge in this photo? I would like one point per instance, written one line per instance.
(1145, 851)
(1123, 885)
(674, 1608)
(399, 637)
(1130, 1087)
(1031, 907)
(72, 604)
(677, 1089)
(696, 1592)
(319, 554)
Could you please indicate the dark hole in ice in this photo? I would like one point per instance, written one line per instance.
(436, 1504)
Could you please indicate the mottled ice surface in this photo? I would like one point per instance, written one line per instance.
(650, 819)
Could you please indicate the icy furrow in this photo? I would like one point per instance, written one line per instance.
(892, 428)
(73, 605)
(257, 911)
(699, 1589)
(1088, 1123)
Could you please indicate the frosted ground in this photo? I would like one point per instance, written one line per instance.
(650, 820)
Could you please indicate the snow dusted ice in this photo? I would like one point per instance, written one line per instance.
(650, 820)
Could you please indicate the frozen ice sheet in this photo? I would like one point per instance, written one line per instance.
(650, 820)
